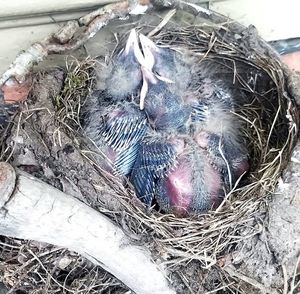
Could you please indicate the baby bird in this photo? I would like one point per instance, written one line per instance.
(162, 88)
(111, 119)
(183, 98)
(193, 185)
(206, 95)
(122, 76)
(165, 65)
(175, 170)
(164, 108)
(216, 129)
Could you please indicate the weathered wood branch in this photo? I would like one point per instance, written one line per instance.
(31, 209)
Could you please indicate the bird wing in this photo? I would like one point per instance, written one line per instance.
(228, 156)
(121, 132)
(216, 103)
(123, 135)
(200, 112)
(125, 160)
(153, 161)
(119, 127)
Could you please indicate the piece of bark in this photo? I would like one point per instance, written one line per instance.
(13, 91)
(31, 209)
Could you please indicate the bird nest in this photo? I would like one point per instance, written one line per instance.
(191, 246)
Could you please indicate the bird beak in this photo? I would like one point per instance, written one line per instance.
(149, 49)
(148, 76)
(132, 45)
(146, 66)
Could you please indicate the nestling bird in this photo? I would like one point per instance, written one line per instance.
(164, 108)
(112, 120)
(180, 97)
(216, 130)
(121, 77)
(193, 185)
(175, 170)
(197, 89)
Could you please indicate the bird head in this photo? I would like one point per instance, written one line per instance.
(126, 75)
(161, 61)
(157, 66)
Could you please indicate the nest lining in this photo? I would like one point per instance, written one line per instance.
(270, 124)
